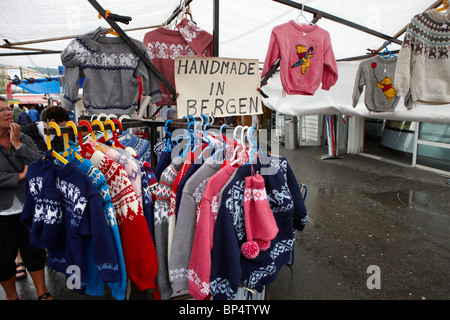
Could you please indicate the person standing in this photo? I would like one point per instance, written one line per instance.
(17, 151)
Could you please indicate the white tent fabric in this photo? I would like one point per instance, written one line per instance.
(245, 29)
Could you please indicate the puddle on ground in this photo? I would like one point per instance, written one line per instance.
(427, 210)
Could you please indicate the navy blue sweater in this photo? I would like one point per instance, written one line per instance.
(229, 267)
(63, 210)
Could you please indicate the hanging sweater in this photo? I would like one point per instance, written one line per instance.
(200, 261)
(138, 249)
(229, 267)
(110, 68)
(95, 286)
(307, 58)
(186, 224)
(161, 212)
(164, 45)
(377, 75)
(423, 62)
(63, 210)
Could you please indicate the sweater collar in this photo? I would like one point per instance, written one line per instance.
(303, 27)
(437, 16)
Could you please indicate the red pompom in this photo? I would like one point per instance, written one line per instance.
(263, 245)
(374, 65)
(250, 249)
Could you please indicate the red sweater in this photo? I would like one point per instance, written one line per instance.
(139, 252)
(164, 45)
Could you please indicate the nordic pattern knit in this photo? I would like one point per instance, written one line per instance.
(186, 224)
(228, 266)
(138, 249)
(95, 286)
(200, 262)
(423, 63)
(63, 210)
(307, 58)
(164, 45)
(110, 68)
(161, 221)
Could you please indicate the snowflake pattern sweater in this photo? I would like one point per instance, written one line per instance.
(229, 267)
(95, 286)
(106, 63)
(164, 45)
(138, 248)
(63, 210)
(307, 57)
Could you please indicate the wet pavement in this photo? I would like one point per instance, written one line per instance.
(362, 212)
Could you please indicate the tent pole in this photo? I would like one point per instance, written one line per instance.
(339, 20)
(216, 29)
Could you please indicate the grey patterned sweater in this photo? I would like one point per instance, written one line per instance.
(110, 69)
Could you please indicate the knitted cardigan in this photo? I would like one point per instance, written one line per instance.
(95, 286)
(186, 224)
(106, 63)
(200, 262)
(229, 267)
(138, 248)
(161, 212)
(423, 61)
(307, 57)
(63, 210)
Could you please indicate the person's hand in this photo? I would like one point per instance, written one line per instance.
(22, 174)
(14, 134)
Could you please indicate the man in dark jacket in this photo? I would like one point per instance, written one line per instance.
(36, 129)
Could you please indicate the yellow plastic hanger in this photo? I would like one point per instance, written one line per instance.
(66, 140)
(49, 142)
(111, 30)
(113, 127)
(445, 6)
(102, 128)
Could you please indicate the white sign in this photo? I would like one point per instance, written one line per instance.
(217, 86)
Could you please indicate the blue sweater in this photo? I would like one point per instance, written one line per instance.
(95, 286)
(228, 266)
(63, 211)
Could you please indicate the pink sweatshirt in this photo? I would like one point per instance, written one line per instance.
(200, 262)
(307, 57)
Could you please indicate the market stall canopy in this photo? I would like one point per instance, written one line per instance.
(244, 28)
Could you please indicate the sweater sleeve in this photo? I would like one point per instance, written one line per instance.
(272, 55)
(330, 70)
(358, 86)
(70, 58)
(300, 216)
(150, 82)
(95, 226)
(225, 257)
(402, 79)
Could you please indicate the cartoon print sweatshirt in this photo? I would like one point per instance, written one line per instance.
(377, 75)
(307, 58)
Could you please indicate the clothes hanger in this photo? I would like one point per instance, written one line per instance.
(102, 128)
(66, 141)
(301, 15)
(386, 50)
(168, 135)
(113, 127)
(445, 6)
(116, 135)
(49, 142)
(110, 30)
(85, 148)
